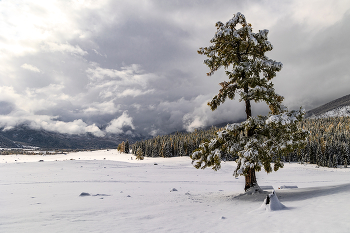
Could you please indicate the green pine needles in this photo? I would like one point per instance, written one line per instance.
(273, 137)
(245, 52)
(259, 141)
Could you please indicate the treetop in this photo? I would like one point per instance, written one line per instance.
(242, 54)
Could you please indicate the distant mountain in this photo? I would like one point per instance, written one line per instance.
(338, 107)
(24, 136)
(337, 112)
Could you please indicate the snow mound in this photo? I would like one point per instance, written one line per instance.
(271, 203)
(288, 187)
(254, 190)
(255, 193)
(100, 195)
(83, 194)
(269, 187)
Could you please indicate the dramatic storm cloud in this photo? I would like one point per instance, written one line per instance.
(78, 66)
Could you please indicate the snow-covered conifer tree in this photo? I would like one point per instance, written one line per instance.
(258, 141)
(126, 149)
(335, 161)
(181, 148)
(139, 154)
(167, 149)
(155, 149)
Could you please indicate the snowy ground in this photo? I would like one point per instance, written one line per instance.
(138, 196)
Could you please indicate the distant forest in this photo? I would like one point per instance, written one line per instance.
(328, 144)
(177, 144)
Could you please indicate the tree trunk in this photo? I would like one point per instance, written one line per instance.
(250, 178)
(248, 109)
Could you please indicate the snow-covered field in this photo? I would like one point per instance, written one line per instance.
(163, 195)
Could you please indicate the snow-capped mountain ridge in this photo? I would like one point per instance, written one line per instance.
(337, 107)
(338, 112)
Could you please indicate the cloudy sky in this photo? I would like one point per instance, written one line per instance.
(73, 66)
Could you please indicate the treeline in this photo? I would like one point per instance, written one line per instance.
(328, 144)
(177, 144)
(124, 147)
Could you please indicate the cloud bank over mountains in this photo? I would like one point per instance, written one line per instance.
(80, 66)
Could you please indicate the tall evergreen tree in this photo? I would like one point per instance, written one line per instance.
(181, 149)
(261, 140)
(155, 150)
(126, 149)
(167, 150)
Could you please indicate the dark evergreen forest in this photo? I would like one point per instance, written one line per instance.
(328, 144)
(177, 144)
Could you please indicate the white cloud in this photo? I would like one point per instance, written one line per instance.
(133, 92)
(128, 81)
(64, 48)
(48, 123)
(33, 100)
(318, 14)
(30, 67)
(97, 108)
(127, 75)
(99, 53)
(192, 123)
(74, 127)
(171, 89)
(116, 125)
(136, 106)
(154, 132)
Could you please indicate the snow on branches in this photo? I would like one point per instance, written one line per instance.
(259, 141)
(273, 137)
(243, 52)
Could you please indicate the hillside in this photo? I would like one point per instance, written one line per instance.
(25, 136)
(336, 104)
